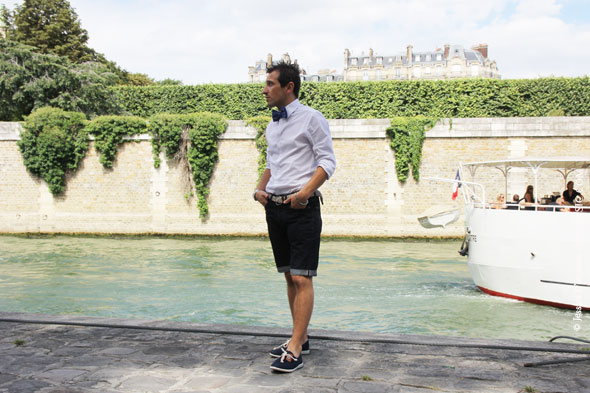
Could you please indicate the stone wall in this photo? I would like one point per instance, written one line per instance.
(363, 198)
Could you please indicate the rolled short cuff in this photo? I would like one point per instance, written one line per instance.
(306, 273)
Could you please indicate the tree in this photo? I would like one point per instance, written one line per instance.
(51, 26)
(30, 80)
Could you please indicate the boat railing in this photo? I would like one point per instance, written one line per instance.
(477, 199)
(534, 207)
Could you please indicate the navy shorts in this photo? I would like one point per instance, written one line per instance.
(295, 237)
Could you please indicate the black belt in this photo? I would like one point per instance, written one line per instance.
(279, 199)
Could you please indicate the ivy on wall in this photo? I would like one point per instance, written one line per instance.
(407, 137)
(53, 143)
(109, 133)
(260, 123)
(195, 137)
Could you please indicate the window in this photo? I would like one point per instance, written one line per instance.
(438, 57)
(397, 72)
(417, 72)
(329, 78)
(354, 61)
(380, 60)
(474, 70)
(365, 75)
(438, 71)
(378, 75)
(367, 61)
(428, 58)
(456, 68)
(427, 70)
(417, 58)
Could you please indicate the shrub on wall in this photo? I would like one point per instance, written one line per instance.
(109, 133)
(202, 130)
(382, 99)
(260, 123)
(53, 142)
(407, 136)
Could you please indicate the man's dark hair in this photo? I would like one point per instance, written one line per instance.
(288, 72)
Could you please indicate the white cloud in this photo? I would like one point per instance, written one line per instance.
(215, 41)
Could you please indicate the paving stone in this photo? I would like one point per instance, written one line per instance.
(145, 383)
(62, 374)
(122, 360)
(24, 386)
(365, 387)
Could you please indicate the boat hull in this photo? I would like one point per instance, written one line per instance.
(536, 256)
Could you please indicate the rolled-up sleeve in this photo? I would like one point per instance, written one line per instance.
(323, 149)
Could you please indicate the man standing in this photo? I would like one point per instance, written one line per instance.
(300, 158)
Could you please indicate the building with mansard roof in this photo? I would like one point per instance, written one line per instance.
(257, 73)
(451, 62)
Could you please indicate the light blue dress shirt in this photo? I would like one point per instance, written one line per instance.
(297, 146)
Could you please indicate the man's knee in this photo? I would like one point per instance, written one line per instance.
(301, 281)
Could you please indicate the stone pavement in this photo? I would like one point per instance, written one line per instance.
(43, 353)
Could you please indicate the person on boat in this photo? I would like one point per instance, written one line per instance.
(514, 204)
(529, 190)
(528, 201)
(499, 204)
(569, 195)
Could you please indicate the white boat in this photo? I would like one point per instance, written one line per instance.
(536, 253)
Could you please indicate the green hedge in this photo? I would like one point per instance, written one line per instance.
(384, 99)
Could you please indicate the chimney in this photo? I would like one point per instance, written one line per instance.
(371, 53)
(269, 60)
(287, 58)
(409, 53)
(447, 48)
(346, 56)
(481, 48)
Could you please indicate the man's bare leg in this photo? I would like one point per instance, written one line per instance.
(301, 297)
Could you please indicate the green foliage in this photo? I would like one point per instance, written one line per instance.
(203, 131)
(53, 142)
(407, 137)
(109, 133)
(137, 79)
(556, 112)
(166, 131)
(52, 26)
(169, 82)
(233, 101)
(260, 123)
(382, 99)
(29, 80)
(202, 154)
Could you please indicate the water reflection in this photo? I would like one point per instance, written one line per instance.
(414, 287)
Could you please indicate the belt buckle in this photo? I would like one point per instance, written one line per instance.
(278, 199)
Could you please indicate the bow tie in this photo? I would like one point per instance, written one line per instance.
(276, 115)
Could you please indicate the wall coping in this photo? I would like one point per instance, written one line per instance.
(493, 127)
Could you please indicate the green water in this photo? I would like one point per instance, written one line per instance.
(414, 287)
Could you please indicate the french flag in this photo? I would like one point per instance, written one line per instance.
(456, 185)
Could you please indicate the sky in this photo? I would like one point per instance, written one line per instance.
(207, 41)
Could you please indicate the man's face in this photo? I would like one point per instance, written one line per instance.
(273, 92)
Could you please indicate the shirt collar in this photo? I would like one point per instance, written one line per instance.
(292, 107)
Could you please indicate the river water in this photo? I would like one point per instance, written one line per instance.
(410, 287)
